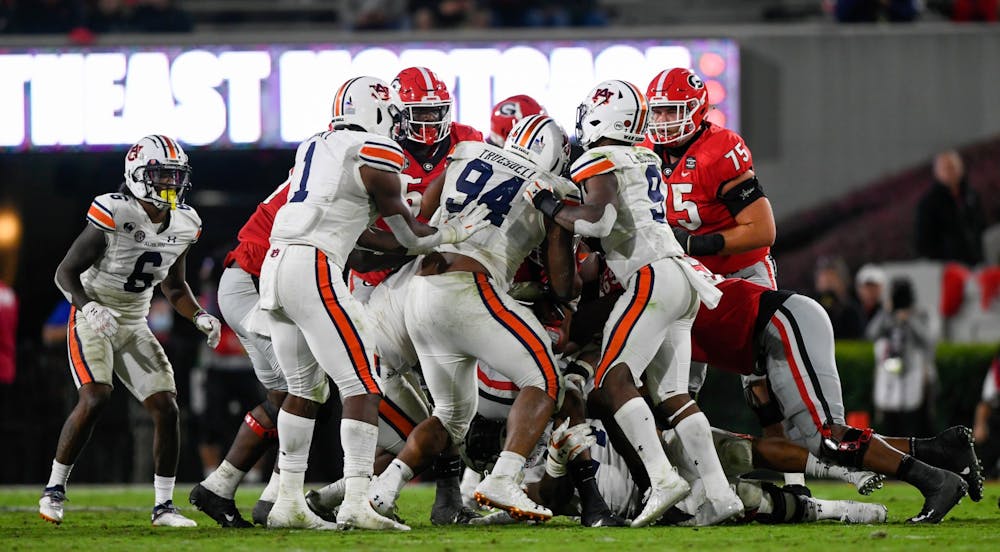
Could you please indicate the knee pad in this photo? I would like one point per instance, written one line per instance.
(483, 442)
(271, 410)
(786, 507)
(768, 413)
(849, 450)
(267, 434)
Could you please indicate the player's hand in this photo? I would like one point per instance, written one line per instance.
(565, 444)
(683, 238)
(210, 326)
(460, 228)
(101, 319)
(538, 191)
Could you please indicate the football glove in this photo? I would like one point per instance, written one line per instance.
(540, 195)
(460, 228)
(210, 326)
(706, 244)
(565, 444)
(101, 319)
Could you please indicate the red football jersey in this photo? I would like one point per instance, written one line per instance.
(417, 174)
(716, 156)
(256, 233)
(724, 336)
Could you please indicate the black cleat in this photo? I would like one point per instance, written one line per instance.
(606, 518)
(960, 457)
(314, 504)
(260, 512)
(461, 515)
(939, 501)
(222, 510)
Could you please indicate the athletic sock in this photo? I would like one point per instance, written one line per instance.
(795, 478)
(59, 474)
(294, 440)
(636, 420)
(224, 480)
(696, 436)
(359, 440)
(396, 475)
(164, 488)
(510, 464)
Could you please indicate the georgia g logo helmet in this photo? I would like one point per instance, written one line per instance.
(507, 112)
(427, 104)
(685, 95)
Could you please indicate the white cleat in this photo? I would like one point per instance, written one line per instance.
(501, 491)
(360, 515)
(288, 514)
(717, 510)
(863, 512)
(660, 497)
(383, 498)
(167, 515)
(50, 506)
(866, 482)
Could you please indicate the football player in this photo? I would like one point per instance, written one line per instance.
(506, 114)
(793, 336)
(136, 239)
(427, 135)
(647, 337)
(458, 311)
(340, 179)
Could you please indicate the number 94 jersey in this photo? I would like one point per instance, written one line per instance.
(138, 256)
(481, 173)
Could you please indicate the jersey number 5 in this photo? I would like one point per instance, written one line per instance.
(139, 274)
(497, 198)
(681, 205)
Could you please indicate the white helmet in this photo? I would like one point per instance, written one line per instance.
(369, 103)
(157, 171)
(540, 139)
(614, 109)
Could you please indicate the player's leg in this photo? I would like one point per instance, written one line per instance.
(632, 335)
(780, 454)
(770, 504)
(804, 378)
(952, 449)
(143, 368)
(91, 361)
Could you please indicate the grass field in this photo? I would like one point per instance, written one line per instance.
(100, 519)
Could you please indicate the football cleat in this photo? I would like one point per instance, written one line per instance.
(290, 514)
(316, 504)
(455, 516)
(606, 518)
(660, 497)
(941, 500)
(501, 491)
(50, 506)
(360, 515)
(865, 481)
(260, 512)
(167, 515)
(497, 517)
(222, 510)
(957, 445)
(717, 510)
(863, 512)
(383, 499)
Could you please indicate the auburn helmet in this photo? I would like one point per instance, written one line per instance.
(683, 91)
(157, 171)
(613, 109)
(540, 139)
(506, 113)
(426, 103)
(368, 103)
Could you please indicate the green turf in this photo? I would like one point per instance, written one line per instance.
(100, 519)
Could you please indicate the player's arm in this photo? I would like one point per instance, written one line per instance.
(377, 249)
(410, 233)
(560, 263)
(86, 250)
(750, 208)
(175, 288)
(432, 197)
(594, 218)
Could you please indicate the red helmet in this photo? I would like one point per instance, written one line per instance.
(426, 105)
(680, 89)
(506, 114)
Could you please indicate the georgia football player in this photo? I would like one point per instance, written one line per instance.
(506, 114)
(428, 134)
(136, 239)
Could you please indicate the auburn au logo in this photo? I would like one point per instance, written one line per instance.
(601, 96)
(134, 152)
(380, 91)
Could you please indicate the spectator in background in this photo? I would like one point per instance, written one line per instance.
(8, 334)
(372, 15)
(870, 11)
(869, 285)
(160, 16)
(986, 421)
(832, 291)
(905, 374)
(45, 16)
(965, 11)
(445, 14)
(950, 219)
(108, 16)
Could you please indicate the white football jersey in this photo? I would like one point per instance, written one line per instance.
(328, 205)
(138, 255)
(640, 234)
(483, 173)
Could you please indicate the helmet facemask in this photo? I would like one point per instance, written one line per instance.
(676, 125)
(427, 122)
(166, 186)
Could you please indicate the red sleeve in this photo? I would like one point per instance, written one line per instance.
(465, 133)
(730, 157)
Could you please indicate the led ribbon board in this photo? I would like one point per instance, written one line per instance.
(278, 95)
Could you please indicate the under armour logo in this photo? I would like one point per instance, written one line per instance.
(171, 239)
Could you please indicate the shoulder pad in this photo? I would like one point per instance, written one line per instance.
(592, 163)
(381, 153)
(102, 210)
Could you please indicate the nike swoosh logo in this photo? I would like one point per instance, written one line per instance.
(685, 174)
(230, 517)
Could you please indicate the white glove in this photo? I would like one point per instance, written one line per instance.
(565, 444)
(210, 326)
(101, 319)
(536, 187)
(460, 228)
(413, 199)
